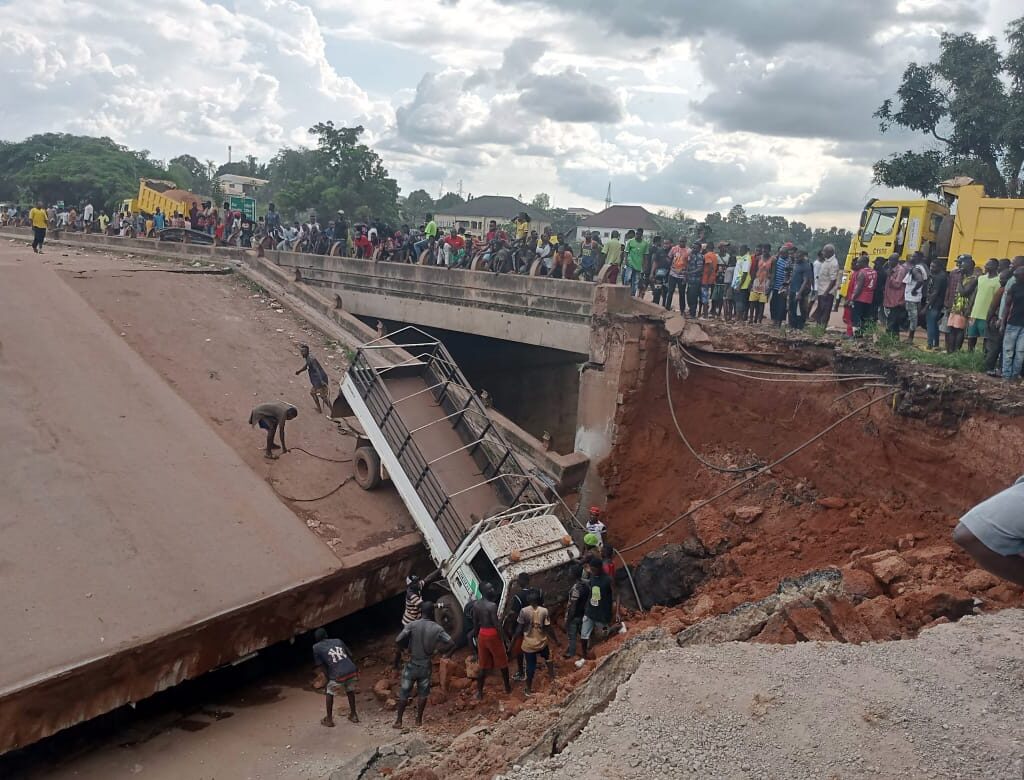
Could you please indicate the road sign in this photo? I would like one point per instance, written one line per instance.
(246, 205)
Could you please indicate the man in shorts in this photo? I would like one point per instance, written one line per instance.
(993, 533)
(334, 657)
(534, 628)
(490, 647)
(271, 417)
(424, 637)
(317, 378)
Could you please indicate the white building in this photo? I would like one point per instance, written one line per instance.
(233, 184)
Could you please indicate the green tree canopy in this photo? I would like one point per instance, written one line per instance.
(340, 173)
(970, 105)
(75, 169)
(541, 201)
(417, 206)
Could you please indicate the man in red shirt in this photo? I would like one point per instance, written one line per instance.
(863, 292)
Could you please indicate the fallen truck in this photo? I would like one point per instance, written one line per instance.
(484, 518)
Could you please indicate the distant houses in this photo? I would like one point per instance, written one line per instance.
(476, 214)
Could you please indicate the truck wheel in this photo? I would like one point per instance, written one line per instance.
(366, 463)
(448, 614)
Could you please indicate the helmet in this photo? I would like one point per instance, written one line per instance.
(595, 511)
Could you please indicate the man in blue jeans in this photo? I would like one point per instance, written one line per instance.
(934, 303)
(1013, 330)
(429, 232)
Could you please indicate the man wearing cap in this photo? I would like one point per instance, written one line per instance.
(595, 525)
(271, 418)
(334, 657)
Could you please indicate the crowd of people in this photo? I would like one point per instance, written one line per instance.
(957, 309)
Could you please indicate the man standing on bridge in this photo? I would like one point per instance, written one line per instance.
(317, 378)
(334, 657)
(39, 223)
(271, 418)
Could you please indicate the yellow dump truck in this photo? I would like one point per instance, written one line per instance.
(165, 195)
(965, 222)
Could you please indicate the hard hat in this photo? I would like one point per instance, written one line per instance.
(595, 510)
(590, 540)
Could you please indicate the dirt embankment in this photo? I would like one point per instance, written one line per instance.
(882, 481)
(876, 499)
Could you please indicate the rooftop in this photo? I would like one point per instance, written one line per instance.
(493, 206)
(621, 217)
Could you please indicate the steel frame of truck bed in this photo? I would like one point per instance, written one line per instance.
(413, 475)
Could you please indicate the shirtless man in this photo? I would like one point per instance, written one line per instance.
(271, 418)
(490, 645)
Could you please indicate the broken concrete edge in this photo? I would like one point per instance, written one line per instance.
(596, 692)
(367, 765)
(746, 621)
(566, 471)
(135, 671)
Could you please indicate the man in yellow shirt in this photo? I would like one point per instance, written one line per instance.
(38, 217)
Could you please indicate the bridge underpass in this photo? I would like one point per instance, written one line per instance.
(535, 387)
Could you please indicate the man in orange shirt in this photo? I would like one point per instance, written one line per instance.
(707, 282)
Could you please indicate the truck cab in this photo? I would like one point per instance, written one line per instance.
(966, 221)
(899, 227)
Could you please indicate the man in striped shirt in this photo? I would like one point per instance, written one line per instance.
(413, 608)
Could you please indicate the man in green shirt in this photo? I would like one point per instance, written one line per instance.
(429, 232)
(613, 257)
(636, 251)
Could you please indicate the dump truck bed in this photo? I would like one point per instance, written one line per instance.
(446, 458)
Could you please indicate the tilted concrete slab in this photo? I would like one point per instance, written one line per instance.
(139, 549)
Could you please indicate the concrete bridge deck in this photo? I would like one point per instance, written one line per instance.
(553, 313)
(140, 549)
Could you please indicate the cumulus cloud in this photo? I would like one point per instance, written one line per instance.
(682, 103)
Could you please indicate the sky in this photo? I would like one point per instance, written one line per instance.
(679, 104)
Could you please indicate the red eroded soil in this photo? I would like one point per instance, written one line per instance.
(879, 481)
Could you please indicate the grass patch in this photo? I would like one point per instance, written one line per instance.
(972, 362)
(817, 331)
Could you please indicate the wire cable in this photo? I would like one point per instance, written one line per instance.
(761, 471)
(310, 500)
(321, 457)
(679, 430)
(783, 376)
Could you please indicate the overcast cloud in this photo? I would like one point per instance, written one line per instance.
(678, 103)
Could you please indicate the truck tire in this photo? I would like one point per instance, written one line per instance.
(448, 613)
(366, 465)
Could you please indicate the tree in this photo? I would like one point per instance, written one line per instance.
(417, 206)
(189, 173)
(250, 166)
(449, 200)
(340, 173)
(970, 105)
(737, 215)
(75, 169)
(541, 201)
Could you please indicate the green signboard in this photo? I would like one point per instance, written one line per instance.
(246, 205)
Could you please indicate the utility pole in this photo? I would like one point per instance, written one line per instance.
(608, 196)
(229, 154)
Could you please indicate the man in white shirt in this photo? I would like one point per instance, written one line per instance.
(87, 214)
(825, 279)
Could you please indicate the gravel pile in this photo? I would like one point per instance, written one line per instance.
(945, 705)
